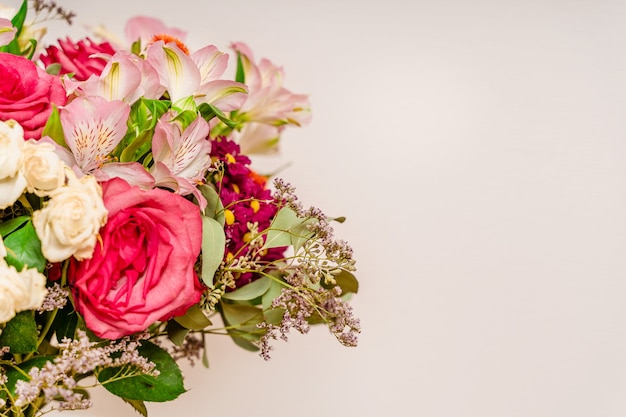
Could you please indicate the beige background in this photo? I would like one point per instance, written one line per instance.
(477, 149)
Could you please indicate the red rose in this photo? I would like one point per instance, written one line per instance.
(143, 271)
(79, 58)
(26, 94)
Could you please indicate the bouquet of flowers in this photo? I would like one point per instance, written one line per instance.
(132, 224)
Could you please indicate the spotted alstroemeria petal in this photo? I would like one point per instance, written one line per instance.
(93, 127)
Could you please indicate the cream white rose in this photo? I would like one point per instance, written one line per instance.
(12, 291)
(12, 182)
(70, 223)
(41, 166)
(35, 283)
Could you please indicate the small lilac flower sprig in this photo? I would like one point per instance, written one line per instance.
(58, 379)
(311, 292)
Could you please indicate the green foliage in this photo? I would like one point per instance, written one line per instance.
(20, 372)
(347, 282)
(138, 405)
(24, 248)
(54, 129)
(214, 207)
(250, 291)
(287, 229)
(12, 225)
(193, 319)
(240, 75)
(18, 22)
(213, 245)
(20, 333)
(140, 387)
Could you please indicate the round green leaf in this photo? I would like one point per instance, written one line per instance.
(166, 387)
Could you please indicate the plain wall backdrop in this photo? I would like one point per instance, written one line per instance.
(477, 150)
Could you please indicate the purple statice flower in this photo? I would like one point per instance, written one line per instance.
(247, 199)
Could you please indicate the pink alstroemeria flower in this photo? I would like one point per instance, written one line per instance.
(144, 29)
(93, 127)
(125, 77)
(196, 76)
(268, 103)
(7, 31)
(181, 157)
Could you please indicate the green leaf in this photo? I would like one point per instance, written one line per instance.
(193, 319)
(246, 318)
(53, 69)
(13, 375)
(24, 249)
(250, 291)
(240, 75)
(165, 387)
(208, 111)
(12, 225)
(274, 291)
(185, 105)
(287, 229)
(176, 333)
(274, 315)
(278, 234)
(213, 245)
(347, 282)
(20, 333)
(138, 405)
(241, 314)
(245, 340)
(66, 322)
(54, 129)
(214, 207)
(20, 17)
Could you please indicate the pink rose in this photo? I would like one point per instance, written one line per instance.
(26, 94)
(79, 58)
(143, 271)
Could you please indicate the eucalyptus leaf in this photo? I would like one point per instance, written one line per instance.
(243, 317)
(245, 340)
(213, 245)
(300, 233)
(274, 316)
(176, 333)
(165, 387)
(250, 291)
(214, 207)
(274, 291)
(193, 319)
(20, 333)
(287, 229)
(347, 282)
(278, 233)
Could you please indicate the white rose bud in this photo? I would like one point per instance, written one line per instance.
(35, 282)
(70, 223)
(12, 182)
(43, 169)
(12, 291)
